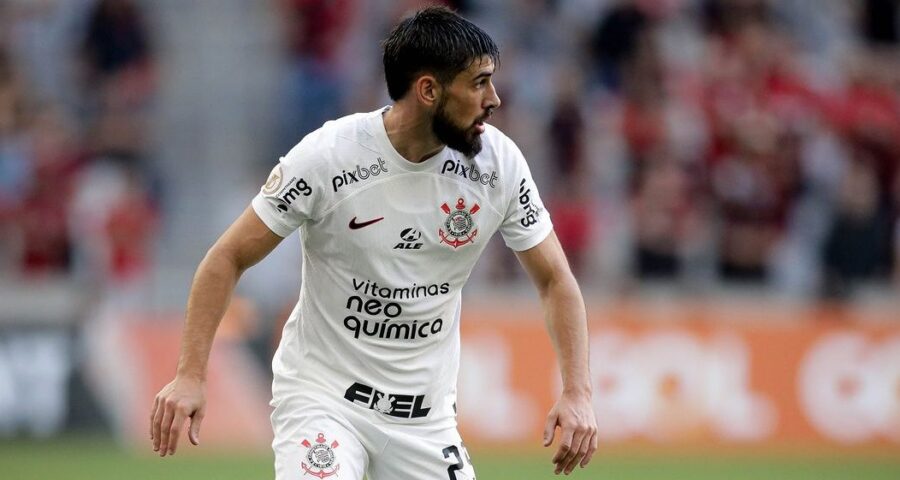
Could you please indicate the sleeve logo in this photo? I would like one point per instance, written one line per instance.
(292, 191)
(532, 212)
(274, 182)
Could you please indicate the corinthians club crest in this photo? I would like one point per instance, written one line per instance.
(460, 228)
(320, 457)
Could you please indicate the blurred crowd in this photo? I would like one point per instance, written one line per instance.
(714, 142)
(701, 141)
(77, 196)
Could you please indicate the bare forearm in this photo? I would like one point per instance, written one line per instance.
(567, 324)
(210, 294)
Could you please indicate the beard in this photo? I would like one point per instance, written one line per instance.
(459, 139)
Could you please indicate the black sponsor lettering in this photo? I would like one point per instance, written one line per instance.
(352, 323)
(360, 393)
(373, 306)
(368, 287)
(398, 330)
(295, 188)
(455, 167)
(407, 246)
(436, 326)
(393, 404)
(409, 237)
(365, 328)
(361, 173)
(531, 212)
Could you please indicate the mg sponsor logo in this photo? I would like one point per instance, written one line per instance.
(294, 189)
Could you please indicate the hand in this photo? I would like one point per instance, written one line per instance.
(181, 399)
(574, 415)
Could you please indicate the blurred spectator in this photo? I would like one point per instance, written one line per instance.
(15, 164)
(615, 41)
(42, 215)
(858, 245)
(666, 220)
(115, 222)
(315, 31)
(880, 20)
(116, 44)
(756, 105)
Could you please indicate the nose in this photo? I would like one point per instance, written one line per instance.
(493, 100)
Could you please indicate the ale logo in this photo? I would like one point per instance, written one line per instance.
(410, 237)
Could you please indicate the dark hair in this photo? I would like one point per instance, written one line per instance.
(434, 40)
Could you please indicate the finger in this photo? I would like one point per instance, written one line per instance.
(550, 429)
(165, 425)
(175, 429)
(565, 447)
(574, 446)
(152, 414)
(194, 432)
(157, 422)
(579, 454)
(592, 448)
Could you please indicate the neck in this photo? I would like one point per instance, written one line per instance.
(409, 130)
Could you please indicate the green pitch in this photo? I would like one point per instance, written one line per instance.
(86, 459)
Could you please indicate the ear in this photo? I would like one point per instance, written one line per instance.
(427, 90)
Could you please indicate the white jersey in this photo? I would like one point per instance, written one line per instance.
(387, 247)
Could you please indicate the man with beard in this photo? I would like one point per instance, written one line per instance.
(394, 207)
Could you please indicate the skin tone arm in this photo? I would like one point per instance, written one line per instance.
(566, 321)
(247, 241)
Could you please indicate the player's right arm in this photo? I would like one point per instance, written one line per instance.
(247, 241)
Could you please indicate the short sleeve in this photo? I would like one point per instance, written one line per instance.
(526, 222)
(288, 198)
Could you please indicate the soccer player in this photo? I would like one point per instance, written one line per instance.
(394, 207)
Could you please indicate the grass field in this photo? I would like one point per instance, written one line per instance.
(83, 459)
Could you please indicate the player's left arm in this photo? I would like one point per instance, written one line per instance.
(566, 321)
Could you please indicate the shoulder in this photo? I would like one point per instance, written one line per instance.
(501, 154)
(334, 140)
(499, 150)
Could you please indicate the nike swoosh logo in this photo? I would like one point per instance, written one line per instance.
(354, 225)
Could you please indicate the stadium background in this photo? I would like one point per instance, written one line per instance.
(722, 173)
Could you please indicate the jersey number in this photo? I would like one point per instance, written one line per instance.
(460, 464)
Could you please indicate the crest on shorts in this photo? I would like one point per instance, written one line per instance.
(320, 457)
(460, 228)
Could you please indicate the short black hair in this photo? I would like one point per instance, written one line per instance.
(435, 40)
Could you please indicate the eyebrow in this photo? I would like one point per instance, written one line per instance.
(481, 75)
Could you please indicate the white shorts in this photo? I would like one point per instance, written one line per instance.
(342, 442)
